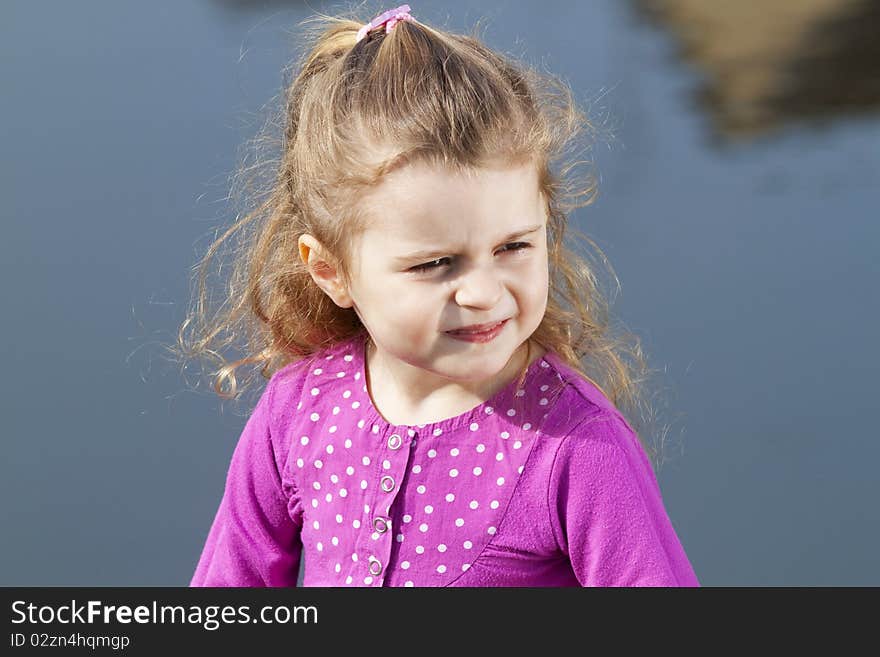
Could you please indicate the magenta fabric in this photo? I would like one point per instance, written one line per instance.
(541, 486)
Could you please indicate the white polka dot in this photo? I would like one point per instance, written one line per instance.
(453, 451)
(459, 522)
(315, 524)
(366, 508)
(339, 518)
(432, 453)
(335, 410)
(319, 463)
(408, 583)
(355, 404)
(494, 504)
(386, 464)
(316, 486)
(500, 481)
(420, 549)
(375, 429)
(368, 579)
(347, 358)
(544, 387)
(491, 531)
(348, 443)
(329, 497)
(304, 440)
(474, 504)
(520, 469)
(410, 433)
(429, 509)
(357, 375)
(340, 374)
(346, 394)
(520, 393)
(335, 540)
(315, 391)
(527, 426)
(356, 523)
(315, 503)
(474, 426)
(481, 448)
(337, 567)
(437, 432)
(404, 565)
(478, 471)
(300, 463)
(349, 471)
(441, 569)
(407, 518)
(511, 412)
(366, 460)
(489, 410)
(334, 479)
(453, 472)
(543, 401)
(331, 430)
(354, 556)
(505, 435)
(319, 546)
(465, 566)
(360, 424)
(441, 548)
(499, 456)
(449, 497)
(348, 580)
(416, 469)
(317, 371)
(400, 538)
(343, 492)
(517, 444)
(420, 489)
(363, 484)
(468, 545)
(315, 417)
(423, 527)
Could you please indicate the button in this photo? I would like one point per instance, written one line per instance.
(380, 525)
(387, 483)
(375, 567)
(394, 441)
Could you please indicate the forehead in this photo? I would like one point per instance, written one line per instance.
(421, 203)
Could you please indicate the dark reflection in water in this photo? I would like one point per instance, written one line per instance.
(770, 64)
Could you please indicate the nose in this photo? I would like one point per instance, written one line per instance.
(479, 288)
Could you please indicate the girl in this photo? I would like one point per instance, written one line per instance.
(428, 418)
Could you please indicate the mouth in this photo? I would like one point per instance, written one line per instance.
(478, 328)
(490, 332)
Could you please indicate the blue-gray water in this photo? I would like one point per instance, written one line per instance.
(738, 221)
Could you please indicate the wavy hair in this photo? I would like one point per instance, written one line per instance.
(355, 111)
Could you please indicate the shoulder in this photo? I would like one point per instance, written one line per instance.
(301, 384)
(572, 399)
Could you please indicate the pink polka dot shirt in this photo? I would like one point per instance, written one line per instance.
(544, 485)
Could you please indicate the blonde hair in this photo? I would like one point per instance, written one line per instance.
(354, 112)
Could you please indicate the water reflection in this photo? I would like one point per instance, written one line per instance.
(771, 64)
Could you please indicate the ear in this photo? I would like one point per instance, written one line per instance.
(324, 270)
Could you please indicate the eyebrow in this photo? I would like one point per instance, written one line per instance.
(433, 253)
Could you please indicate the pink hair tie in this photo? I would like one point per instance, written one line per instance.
(389, 18)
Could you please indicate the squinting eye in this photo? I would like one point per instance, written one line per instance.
(428, 265)
(435, 264)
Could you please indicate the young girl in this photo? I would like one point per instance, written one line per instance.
(428, 419)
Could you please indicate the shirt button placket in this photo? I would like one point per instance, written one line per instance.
(396, 458)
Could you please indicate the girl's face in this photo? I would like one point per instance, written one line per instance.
(446, 251)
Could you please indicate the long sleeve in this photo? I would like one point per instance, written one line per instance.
(253, 540)
(608, 513)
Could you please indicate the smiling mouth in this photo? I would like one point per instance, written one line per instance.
(487, 328)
